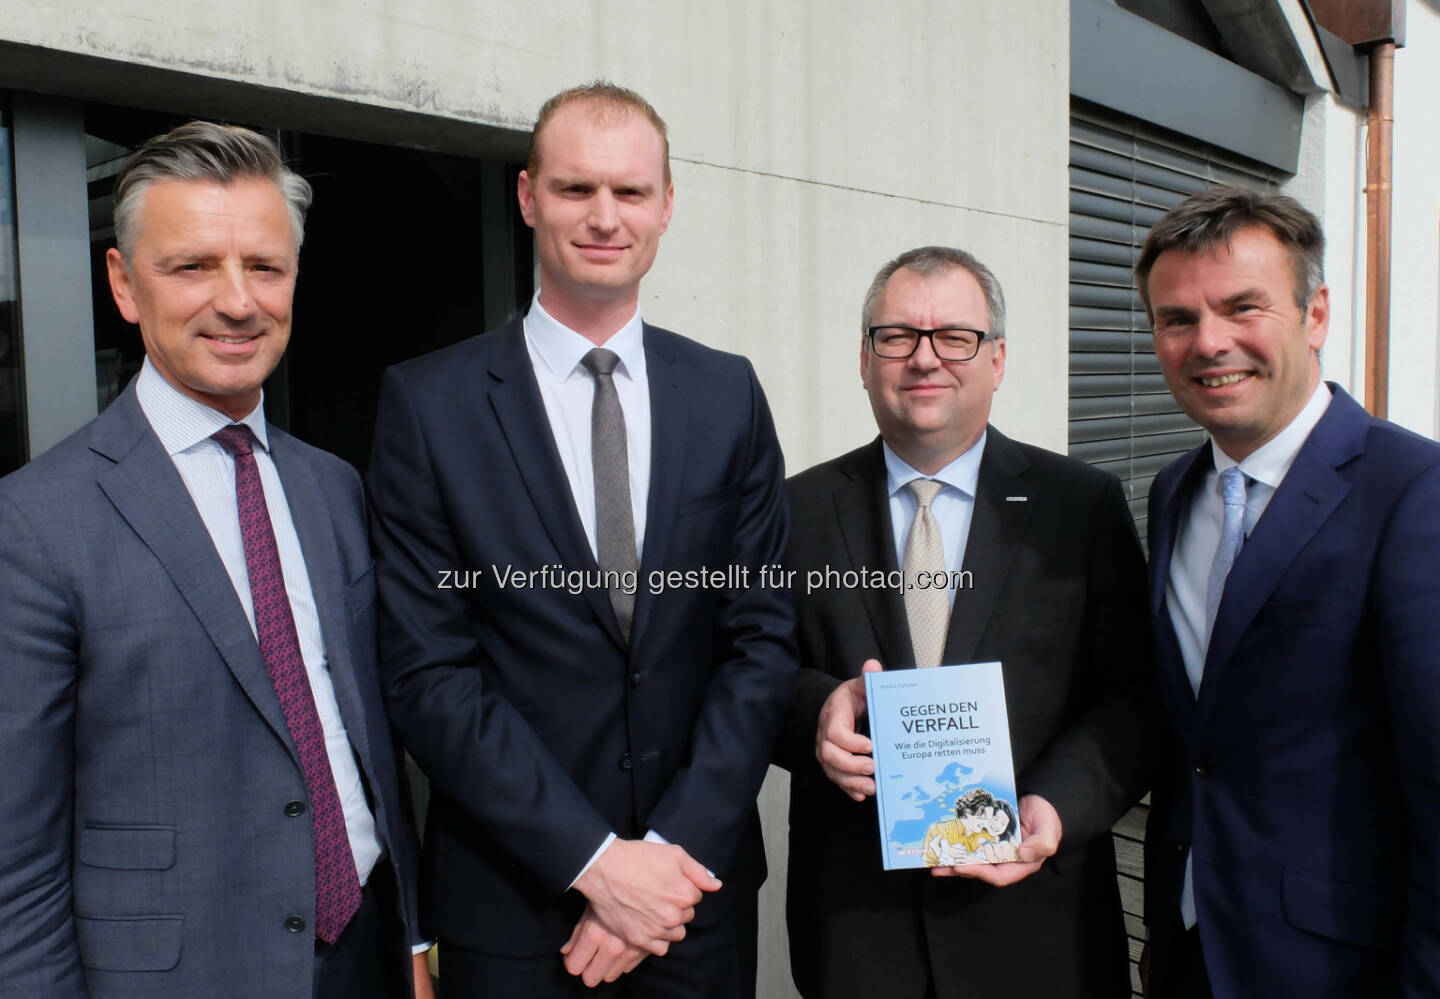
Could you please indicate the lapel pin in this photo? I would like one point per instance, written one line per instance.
(1017, 499)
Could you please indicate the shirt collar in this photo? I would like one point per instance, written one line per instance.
(963, 473)
(182, 422)
(1271, 460)
(560, 348)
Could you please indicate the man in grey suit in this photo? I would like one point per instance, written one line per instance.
(201, 794)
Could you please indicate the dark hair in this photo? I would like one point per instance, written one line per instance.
(611, 102)
(203, 150)
(1211, 218)
(1012, 831)
(973, 800)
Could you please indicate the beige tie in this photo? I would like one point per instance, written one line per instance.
(927, 607)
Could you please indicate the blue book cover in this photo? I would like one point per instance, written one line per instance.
(944, 776)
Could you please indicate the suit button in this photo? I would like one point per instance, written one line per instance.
(294, 808)
(625, 763)
(1202, 767)
(635, 678)
(294, 924)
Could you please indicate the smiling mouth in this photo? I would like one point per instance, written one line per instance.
(229, 339)
(1220, 381)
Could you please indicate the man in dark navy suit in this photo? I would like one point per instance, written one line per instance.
(595, 727)
(1296, 606)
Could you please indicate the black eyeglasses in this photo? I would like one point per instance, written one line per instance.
(950, 343)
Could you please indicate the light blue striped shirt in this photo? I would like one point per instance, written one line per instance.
(953, 506)
(184, 426)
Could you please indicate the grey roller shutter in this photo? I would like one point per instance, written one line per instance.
(1123, 177)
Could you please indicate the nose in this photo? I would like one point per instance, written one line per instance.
(233, 298)
(924, 358)
(603, 215)
(1212, 336)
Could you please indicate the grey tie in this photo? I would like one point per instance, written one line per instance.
(614, 521)
(927, 607)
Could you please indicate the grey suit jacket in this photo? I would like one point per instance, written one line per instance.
(146, 845)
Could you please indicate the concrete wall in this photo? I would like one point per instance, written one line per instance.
(1330, 180)
(811, 142)
(1415, 259)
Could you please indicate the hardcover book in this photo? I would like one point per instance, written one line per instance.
(944, 776)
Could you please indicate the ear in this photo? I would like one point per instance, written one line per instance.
(864, 363)
(1317, 318)
(997, 362)
(120, 286)
(669, 207)
(527, 198)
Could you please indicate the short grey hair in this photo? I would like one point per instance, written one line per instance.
(929, 260)
(205, 151)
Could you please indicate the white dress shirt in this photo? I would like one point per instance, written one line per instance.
(1198, 536)
(568, 392)
(184, 427)
(953, 506)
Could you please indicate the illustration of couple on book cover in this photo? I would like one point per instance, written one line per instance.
(984, 830)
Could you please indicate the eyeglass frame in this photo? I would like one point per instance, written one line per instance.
(920, 335)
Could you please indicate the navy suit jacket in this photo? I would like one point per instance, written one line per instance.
(540, 729)
(146, 847)
(1306, 778)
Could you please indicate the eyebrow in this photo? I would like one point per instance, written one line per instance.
(1247, 295)
(643, 187)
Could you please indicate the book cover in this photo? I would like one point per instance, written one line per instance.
(944, 777)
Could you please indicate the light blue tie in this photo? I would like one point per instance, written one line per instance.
(1232, 536)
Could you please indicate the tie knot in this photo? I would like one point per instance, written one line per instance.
(924, 490)
(235, 439)
(1232, 486)
(600, 361)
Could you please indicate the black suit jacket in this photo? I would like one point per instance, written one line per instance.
(540, 728)
(1057, 597)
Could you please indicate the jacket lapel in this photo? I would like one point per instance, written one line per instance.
(1172, 492)
(148, 492)
(310, 513)
(1308, 495)
(514, 398)
(997, 526)
(668, 425)
(862, 510)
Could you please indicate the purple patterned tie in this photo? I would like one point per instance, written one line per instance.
(337, 886)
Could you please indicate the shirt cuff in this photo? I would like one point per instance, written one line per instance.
(593, 857)
(421, 948)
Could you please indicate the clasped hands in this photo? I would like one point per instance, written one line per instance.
(844, 756)
(640, 896)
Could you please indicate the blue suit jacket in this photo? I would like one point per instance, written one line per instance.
(540, 729)
(1307, 772)
(145, 847)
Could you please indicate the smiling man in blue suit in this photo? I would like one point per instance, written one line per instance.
(595, 737)
(201, 797)
(1296, 604)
